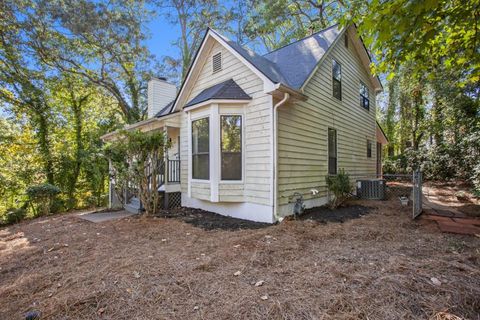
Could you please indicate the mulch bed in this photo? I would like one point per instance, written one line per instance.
(211, 221)
(325, 214)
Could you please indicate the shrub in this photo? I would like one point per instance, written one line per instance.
(14, 215)
(41, 197)
(340, 186)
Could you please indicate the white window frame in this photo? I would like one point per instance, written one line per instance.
(232, 111)
(193, 117)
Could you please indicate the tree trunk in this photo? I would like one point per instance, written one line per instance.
(45, 146)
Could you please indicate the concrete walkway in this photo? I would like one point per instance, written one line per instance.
(105, 216)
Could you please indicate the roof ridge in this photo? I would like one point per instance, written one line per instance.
(313, 34)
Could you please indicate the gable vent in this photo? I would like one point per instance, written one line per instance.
(217, 62)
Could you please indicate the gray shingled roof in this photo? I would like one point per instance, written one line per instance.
(297, 60)
(265, 66)
(165, 110)
(292, 64)
(229, 90)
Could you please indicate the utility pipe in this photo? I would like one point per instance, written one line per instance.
(286, 96)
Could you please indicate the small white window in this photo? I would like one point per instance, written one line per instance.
(217, 62)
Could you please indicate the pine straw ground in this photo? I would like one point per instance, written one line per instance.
(379, 266)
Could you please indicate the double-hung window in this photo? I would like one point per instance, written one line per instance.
(369, 149)
(332, 151)
(364, 97)
(231, 147)
(201, 149)
(337, 80)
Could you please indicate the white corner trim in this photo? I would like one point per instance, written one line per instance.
(189, 160)
(214, 153)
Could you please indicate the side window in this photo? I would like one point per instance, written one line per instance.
(201, 149)
(337, 80)
(231, 147)
(364, 96)
(369, 149)
(332, 151)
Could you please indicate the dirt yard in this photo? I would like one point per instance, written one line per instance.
(373, 264)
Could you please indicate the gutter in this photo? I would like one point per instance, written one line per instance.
(286, 96)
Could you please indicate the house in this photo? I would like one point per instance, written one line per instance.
(249, 131)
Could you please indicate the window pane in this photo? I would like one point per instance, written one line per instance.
(369, 149)
(337, 71)
(337, 89)
(201, 166)
(231, 147)
(332, 151)
(200, 149)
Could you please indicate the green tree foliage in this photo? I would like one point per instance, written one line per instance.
(98, 41)
(279, 22)
(41, 197)
(137, 160)
(193, 18)
(428, 33)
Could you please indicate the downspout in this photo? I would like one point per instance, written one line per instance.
(275, 155)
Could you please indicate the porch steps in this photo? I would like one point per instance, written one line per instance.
(133, 206)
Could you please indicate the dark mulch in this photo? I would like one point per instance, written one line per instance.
(211, 221)
(341, 214)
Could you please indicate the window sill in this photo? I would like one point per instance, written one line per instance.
(231, 182)
(200, 181)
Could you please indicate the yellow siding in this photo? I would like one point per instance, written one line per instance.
(257, 121)
(302, 128)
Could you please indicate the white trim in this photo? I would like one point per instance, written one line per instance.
(201, 180)
(241, 210)
(213, 155)
(187, 78)
(322, 59)
(236, 111)
(199, 114)
(217, 101)
(189, 153)
(272, 152)
(267, 83)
